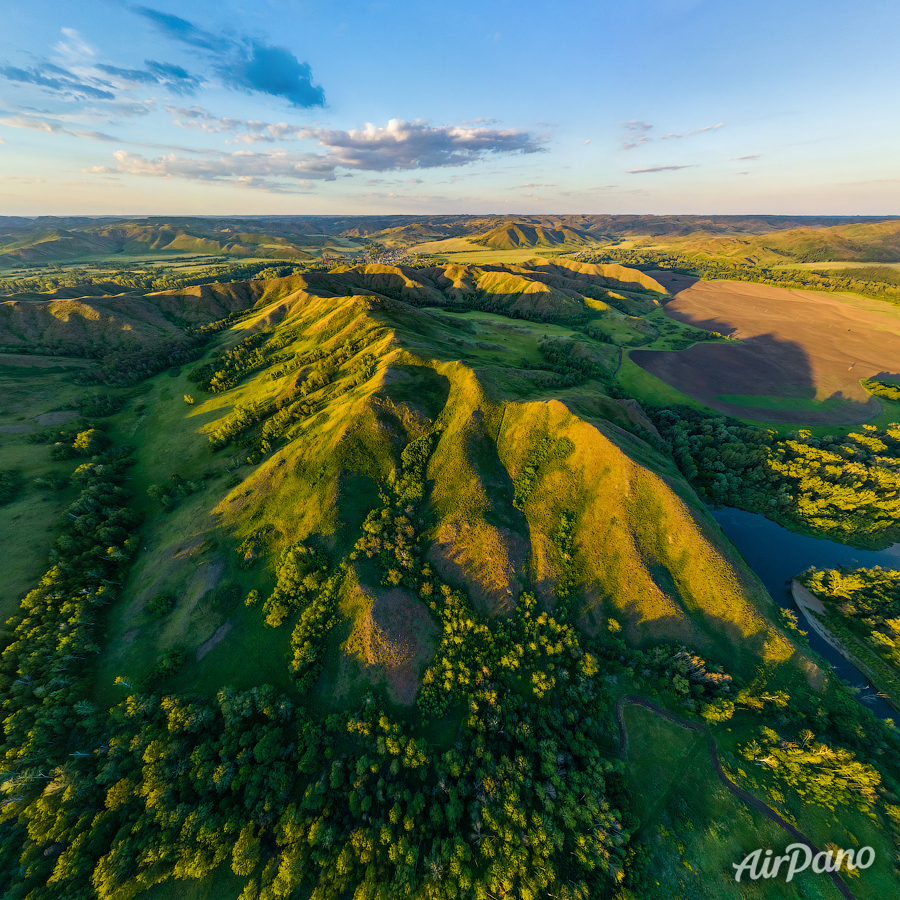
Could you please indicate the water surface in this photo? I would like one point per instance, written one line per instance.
(777, 555)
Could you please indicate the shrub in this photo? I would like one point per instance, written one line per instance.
(160, 604)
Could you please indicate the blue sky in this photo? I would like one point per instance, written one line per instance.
(288, 106)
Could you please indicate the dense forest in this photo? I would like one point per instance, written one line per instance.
(863, 604)
(844, 488)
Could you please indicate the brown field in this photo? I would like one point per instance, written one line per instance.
(801, 357)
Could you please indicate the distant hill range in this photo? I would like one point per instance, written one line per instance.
(522, 234)
(47, 239)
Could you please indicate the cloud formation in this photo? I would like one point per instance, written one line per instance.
(175, 78)
(58, 80)
(399, 146)
(179, 29)
(635, 133)
(245, 64)
(685, 134)
(750, 156)
(657, 169)
(55, 126)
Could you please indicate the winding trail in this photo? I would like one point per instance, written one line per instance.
(738, 792)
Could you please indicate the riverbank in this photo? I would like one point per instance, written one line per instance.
(812, 607)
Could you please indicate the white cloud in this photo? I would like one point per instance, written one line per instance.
(74, 48)
(657, 169)
(399, 146)
(685, 134)
(95, 136)
(635, 133)
(49, 127)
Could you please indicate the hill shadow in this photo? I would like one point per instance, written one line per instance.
(673, 282)
(763, 378)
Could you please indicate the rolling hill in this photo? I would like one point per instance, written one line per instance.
(523, 234)
(348, 604)
(863, 242)
(48, 239)
(75, 320)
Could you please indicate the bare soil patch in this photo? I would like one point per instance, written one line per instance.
(216, 639)
(399, 636)
(798, 348)
(16, 429)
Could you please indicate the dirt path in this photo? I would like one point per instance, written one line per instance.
(738, 792)
(214, 641)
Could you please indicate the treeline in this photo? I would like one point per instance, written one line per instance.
(128, 366)
(131, 363)
(845, 488)
(890, 390)
(868, 281)
(867, 603)
(52, 732)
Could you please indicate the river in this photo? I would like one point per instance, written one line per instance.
(777, 555)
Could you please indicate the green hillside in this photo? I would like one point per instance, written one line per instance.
(523, 234)
(339, 598)
(88, 321)
(863, 242)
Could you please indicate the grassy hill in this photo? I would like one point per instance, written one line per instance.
(863, 242)
(523, 234)
(85, 321)
(58, 240)
(344, 604)
(59, 245)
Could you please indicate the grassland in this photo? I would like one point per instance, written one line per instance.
(33, 394)
(463, 250)
(537, 480)
(693, 827)
(696, 829)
